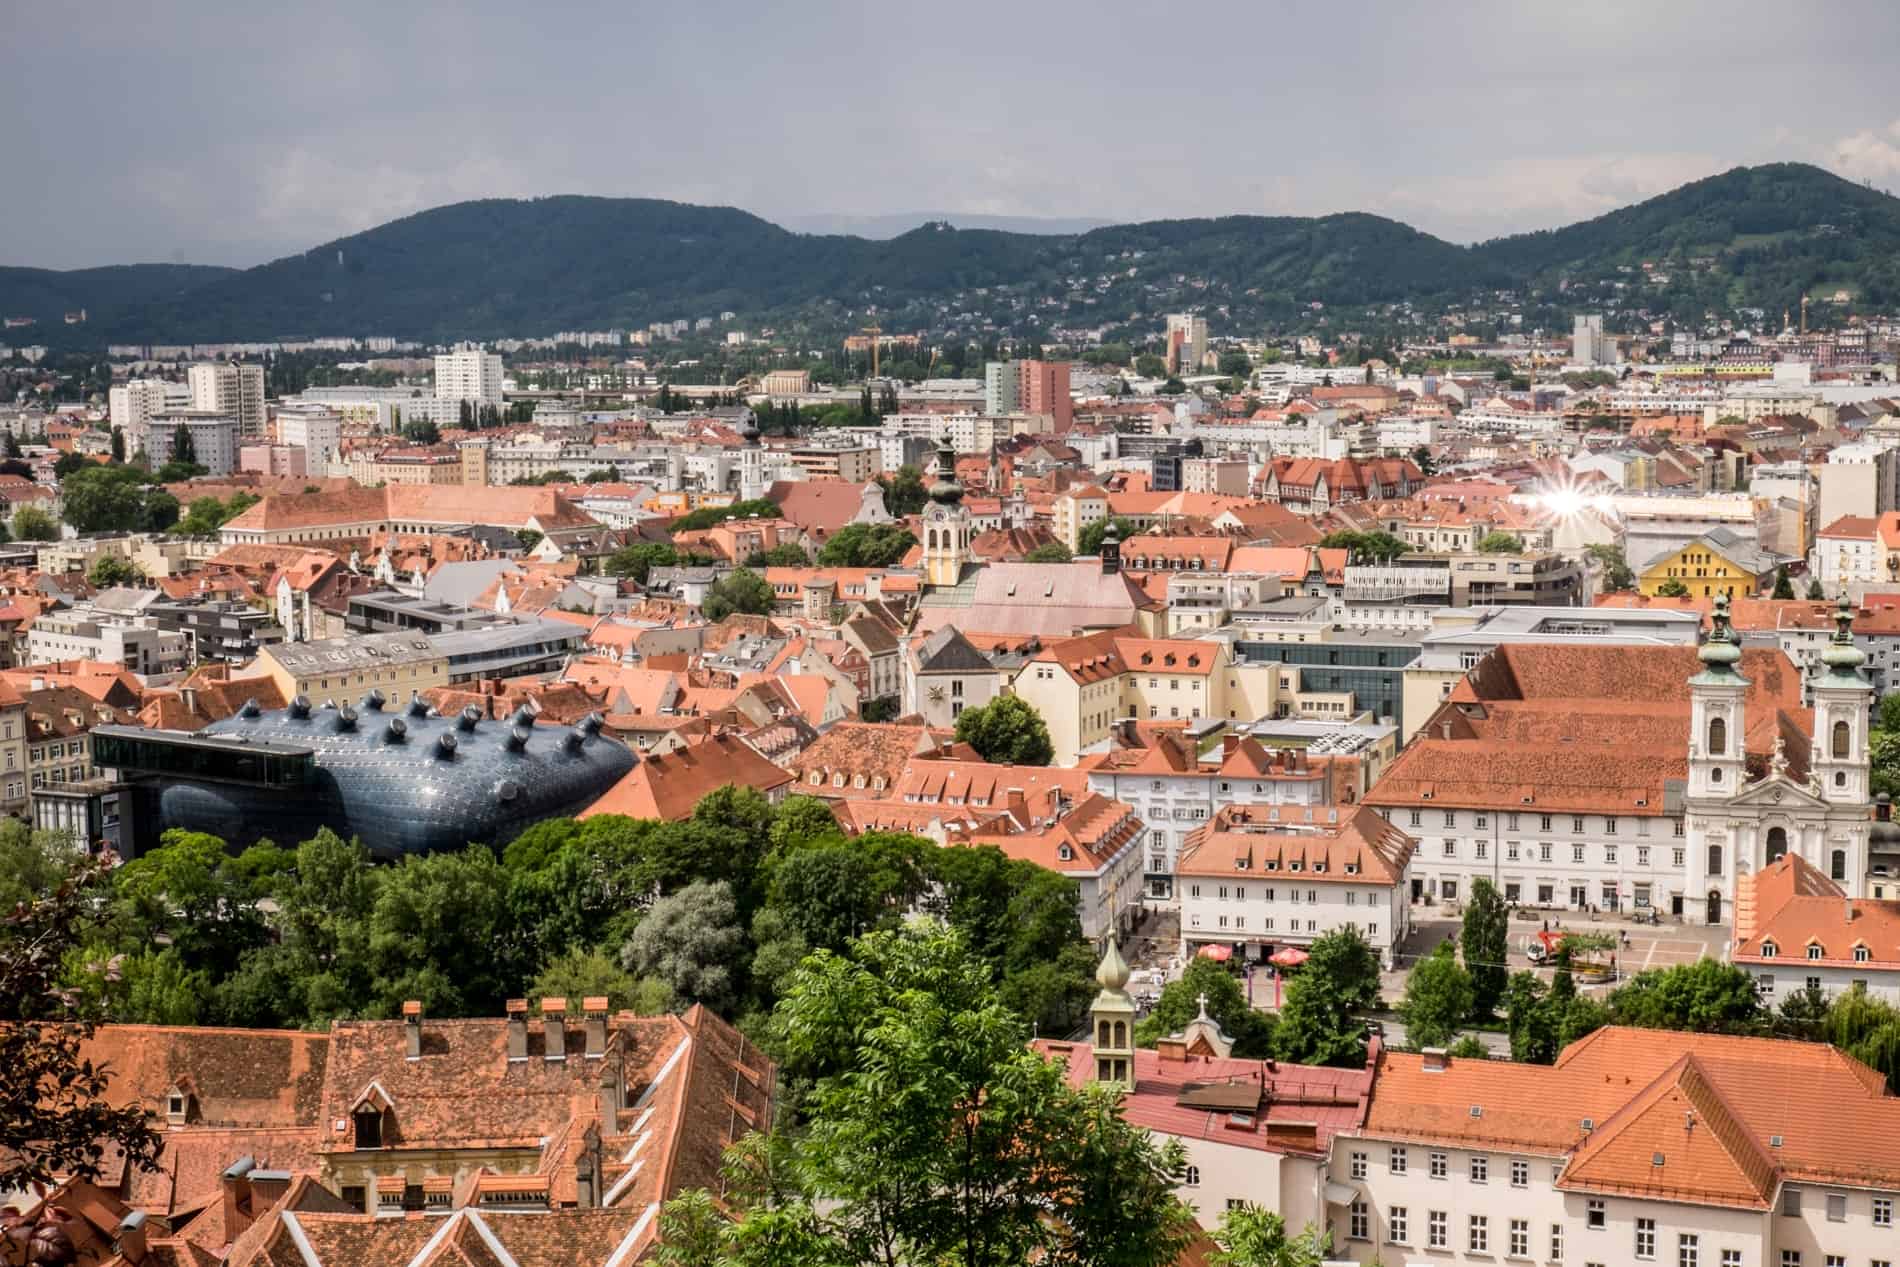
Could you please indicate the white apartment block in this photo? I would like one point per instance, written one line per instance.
(232, 388)
(469, 373)
(317, 430)
(132, 404)
(214, 439)
(84, 634)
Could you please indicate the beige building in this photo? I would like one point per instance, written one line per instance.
(854, 464)
(343, 669)
(234, 389)
(1076, 510)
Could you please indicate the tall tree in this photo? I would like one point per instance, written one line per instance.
(1437, 999)
(1485, 941)
(1253, 1236)
(55, 1117)
(1322, 1022)
(690, 942)
(1181, 1000)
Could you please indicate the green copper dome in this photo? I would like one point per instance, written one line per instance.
(1842, 657)
(1720, 654)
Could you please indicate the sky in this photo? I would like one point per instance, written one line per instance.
(234, 133)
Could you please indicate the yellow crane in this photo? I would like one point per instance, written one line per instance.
(874, 331)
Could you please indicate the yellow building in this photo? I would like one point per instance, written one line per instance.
(343, 669)
(1718, 562)
(1076, 510)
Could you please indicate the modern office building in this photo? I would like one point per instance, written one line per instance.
(1186, 343)
(402, 780)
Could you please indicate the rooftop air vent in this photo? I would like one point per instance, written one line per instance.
(372, 701)
(300, 707)
(591, 724)
(396, 731)
(418, 707)
(507, 790)
(345, 720)
(445, 746)
(250, 711)
(573, 740)
(518, 738)
(466, 722)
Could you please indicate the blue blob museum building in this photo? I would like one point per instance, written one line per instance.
(403, 780)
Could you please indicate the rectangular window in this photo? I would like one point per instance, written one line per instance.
(1396, 1163)
(1396, 1229)
(1593, 1213)
(1686, 1249)
(1556, 1242)
(1480, 1170)
(1543, 855)
(1520, 1238)
(1576, 823)
(1484, 850)
(1790, 1258)
(1358, 1168)
(1576, 853)
(1731, 1258)
(1437, 1230)
(1520, 1174)
(1836, 1208)
(1441, 1166)
(1358, 1220)
(1645, 1238)
(1451, 818)
(1883, 1211)
(1543, 822)
(1609, 827)
(1642, 855)
(1418, 818)
(1609, 855)
(1478, 1236)
(1791, 1202)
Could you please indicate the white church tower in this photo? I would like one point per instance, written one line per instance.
(1717, 727)
(751, 463)
(1843, 701)
(946, 523)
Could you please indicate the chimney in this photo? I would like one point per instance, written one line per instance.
(236, 1182)
(1850, 910)
(1436, 1060)
(587, 1170)
(131, 1238)
(554, 1024)
(412, 1027)
(594, 1009)
(1229, 742)
(517, 1029)
(611, 1093)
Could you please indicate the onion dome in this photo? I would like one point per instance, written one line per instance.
(946, 491)
(1842, 657)
(1720, 654)
(1113, 973)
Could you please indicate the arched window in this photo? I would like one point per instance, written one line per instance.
(1102, 1032)
(1837, 865)
(1777, 843)
(1715, 860)
(1718, 737)
(1842, 740)
(1193, 1178)
(1121, 1034)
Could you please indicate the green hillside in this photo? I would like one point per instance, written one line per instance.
(1754, 236)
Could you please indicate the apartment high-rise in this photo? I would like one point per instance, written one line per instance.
(1028, 387)
(469, 373)
(232, 388)
(1186, 343)
(1042, 387)
(214, 439)
(133, 404)
(1588, 345)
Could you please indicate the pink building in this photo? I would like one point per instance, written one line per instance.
(273, 459)
(1042, 387)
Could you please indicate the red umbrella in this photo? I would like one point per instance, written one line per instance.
(1219, 954)
(1288, 957)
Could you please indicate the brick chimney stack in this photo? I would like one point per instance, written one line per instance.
(594, 1011)
(412, 1027)
(554, 1024)
(131, 1238)
(236, 1184)
(517, 1029)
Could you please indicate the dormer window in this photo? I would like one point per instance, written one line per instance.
(175, 1106)
(1064, 853)
(1862, 954)
(1814, 950)
(1768, 950)
(369, 1128)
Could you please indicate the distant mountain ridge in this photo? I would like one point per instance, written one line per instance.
(1757, 236)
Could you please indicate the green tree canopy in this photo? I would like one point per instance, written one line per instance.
(1500, 543)
(690, 942)
(1250, 1031)
(1485, 941)
(1322, 1022)
(30, 523)
(1672, 588)
(866, 546)
(904, 492)
(1007, 731)
(742, 590)
(1089, 540)
(109, 570)
(1437, 1000)
(1254, 1236)
(1049, 552)
(634, 562)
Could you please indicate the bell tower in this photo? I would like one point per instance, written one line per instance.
(1112, 1018)
(946, 523)
(1842, 700)
(751, 464)
(1716, 721)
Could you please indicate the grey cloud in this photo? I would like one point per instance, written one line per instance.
(231, 133)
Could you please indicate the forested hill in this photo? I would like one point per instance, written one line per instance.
(1760, 236)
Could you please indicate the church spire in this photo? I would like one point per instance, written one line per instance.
(1112, 1016)
(946, 491)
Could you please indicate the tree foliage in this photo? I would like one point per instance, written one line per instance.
(1049, 552)
(1365, 547)
(742, 591)
(1485, 941)
(109, 570)
(30, 523)
(1438, 999)
(866, 546)
(1339, 982)
(1007, 731)
(1089, 540)
(1500, 543)
(1250, 1031)
(1254, 1236)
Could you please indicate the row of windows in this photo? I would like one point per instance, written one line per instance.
(1481, 821)
(1239, 922)
(1514, 851)
(1267, 895)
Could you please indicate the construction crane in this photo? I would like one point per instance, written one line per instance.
(874, 331)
